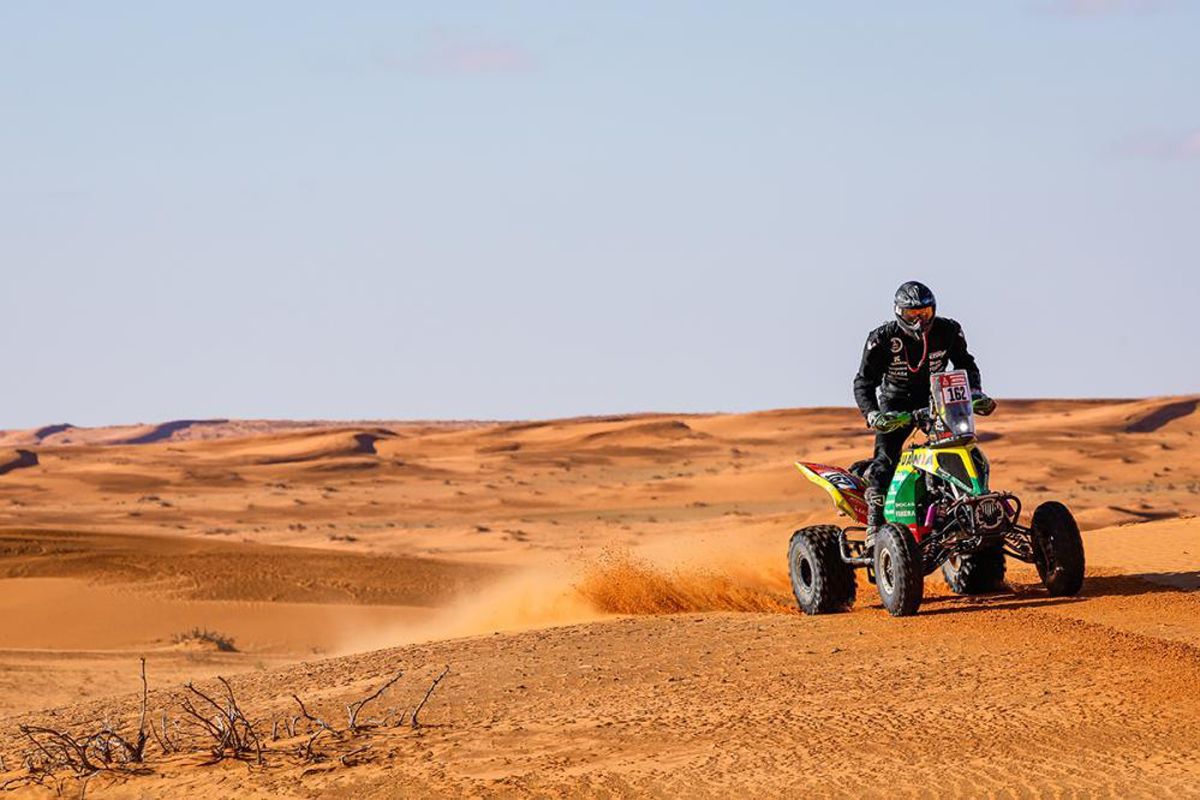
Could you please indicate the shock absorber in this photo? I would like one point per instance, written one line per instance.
(931, 516)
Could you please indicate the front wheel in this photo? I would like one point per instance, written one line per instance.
(898, 573)
(821, 581)
(1057, 549)
(976, 573)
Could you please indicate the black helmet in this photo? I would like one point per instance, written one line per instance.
(915, 307)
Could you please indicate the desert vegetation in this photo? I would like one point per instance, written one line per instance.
(208, 720)
(205, 638)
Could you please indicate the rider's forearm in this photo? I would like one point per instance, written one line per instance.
(972, 372)
(865, 394)
(870, 373)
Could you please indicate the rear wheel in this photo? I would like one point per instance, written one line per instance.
(898, 573)
(821, 581)
(1057, 549)
(977, 573)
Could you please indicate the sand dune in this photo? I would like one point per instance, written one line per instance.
(635, 567)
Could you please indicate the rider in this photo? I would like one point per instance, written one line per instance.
(896, 364)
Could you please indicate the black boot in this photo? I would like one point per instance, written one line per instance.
(875, 518)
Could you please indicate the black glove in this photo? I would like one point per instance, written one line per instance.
(887, 421)
(982, 404)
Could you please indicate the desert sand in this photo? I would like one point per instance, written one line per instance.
(611, 598)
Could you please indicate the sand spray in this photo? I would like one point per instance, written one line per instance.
(740, 572)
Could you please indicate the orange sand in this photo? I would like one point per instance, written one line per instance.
(335, 554)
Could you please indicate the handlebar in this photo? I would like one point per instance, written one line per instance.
(922, 418)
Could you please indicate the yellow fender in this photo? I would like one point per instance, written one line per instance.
(842, 487)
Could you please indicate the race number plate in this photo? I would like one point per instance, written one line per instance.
(954, 388)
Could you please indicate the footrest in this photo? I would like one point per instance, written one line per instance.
(853, 551)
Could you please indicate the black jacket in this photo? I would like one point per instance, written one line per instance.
(898, 366)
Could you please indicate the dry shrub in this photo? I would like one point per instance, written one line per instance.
(233, 735)
(203, 636)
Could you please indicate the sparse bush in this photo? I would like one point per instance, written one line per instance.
(205, 636)
(223, 729)
(83, 754)
(233, 734)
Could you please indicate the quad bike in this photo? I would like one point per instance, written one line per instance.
(940, 512)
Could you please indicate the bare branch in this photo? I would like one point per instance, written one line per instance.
(61, 749)
(162, 742)
(320, 723)
(347, 758)
(142, 719)
(353, 709)
(305, 751)
(414, 721)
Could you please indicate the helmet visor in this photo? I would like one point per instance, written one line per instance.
(916, 315)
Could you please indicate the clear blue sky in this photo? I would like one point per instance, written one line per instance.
(519, 209)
